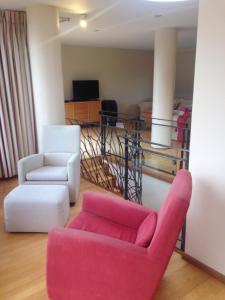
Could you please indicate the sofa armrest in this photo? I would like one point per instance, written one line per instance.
(80, 265)
(115, 209)
(28, 164)
(73, 167)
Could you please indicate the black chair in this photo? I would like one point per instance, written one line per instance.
(110, 112)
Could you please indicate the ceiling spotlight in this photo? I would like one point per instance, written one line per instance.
(83, 21)
(64, 19)
(167, 0)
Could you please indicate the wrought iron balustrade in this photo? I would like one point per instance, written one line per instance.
(118, 150)
(107, 158)
(115, 153)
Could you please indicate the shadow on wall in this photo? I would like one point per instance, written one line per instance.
(154, 192)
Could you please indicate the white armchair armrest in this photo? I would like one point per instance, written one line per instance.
(28, 164)
(73, 167)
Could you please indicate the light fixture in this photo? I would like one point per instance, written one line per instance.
(83, 21)
(64, 19)
(166, 0)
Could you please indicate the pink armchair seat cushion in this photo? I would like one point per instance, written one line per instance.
(92, 223)
(117, 218)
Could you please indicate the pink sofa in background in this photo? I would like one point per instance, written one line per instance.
(115, 249)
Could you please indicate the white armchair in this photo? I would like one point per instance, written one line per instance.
(58, 161)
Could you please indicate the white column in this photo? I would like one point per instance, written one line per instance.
(164, 83)
(205, 239)
(46, 67)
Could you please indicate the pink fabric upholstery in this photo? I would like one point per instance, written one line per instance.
(83, 265)
(112, 208)
(92, 223)
(146, 230)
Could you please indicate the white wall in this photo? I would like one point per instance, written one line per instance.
(206, 218)
(185, 73)
(125, 75)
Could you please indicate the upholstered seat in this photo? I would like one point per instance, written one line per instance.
(58, 161)
(49, 173)
(92, 223)
(89, 221)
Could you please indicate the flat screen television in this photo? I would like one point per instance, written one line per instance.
(85, 90)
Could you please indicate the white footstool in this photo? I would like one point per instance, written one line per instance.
(36, 208)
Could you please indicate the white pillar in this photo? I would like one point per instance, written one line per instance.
(206, 217)
(46, 67)
(164, 83)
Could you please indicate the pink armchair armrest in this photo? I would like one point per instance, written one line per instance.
(74, 256)
(115, 209)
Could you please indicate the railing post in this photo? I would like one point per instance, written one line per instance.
(102, 132)
(188, 147)
(183, 237)
(136, 157)
(182, 147)
(126, 166)
(185, 145)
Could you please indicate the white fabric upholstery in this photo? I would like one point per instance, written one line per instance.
(56, 159)
(36, 208)
(60, 138)
(48, 173)
(73, 167)
(27, 164)
(61, 148)
(46, 182)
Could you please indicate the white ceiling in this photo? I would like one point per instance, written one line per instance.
(121, 23)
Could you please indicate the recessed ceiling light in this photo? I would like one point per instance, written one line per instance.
(83, 21)
(166, 0)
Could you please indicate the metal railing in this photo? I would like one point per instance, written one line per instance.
(118, 150)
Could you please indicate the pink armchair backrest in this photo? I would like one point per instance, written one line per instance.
(170, 220)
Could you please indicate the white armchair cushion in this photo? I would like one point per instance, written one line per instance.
(56, 159)
(48, 173)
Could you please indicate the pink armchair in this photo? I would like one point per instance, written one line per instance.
(115, 249)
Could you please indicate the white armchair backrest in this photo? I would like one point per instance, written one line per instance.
(56, 159)
(60, 139)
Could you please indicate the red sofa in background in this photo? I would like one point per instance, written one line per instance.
(115, 249)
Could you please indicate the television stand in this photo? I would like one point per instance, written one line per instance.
(83, 111)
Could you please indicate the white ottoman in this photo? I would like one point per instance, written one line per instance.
(36, 208)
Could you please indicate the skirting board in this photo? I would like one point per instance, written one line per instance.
(203, 267)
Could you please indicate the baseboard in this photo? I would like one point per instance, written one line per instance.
(204, 267)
